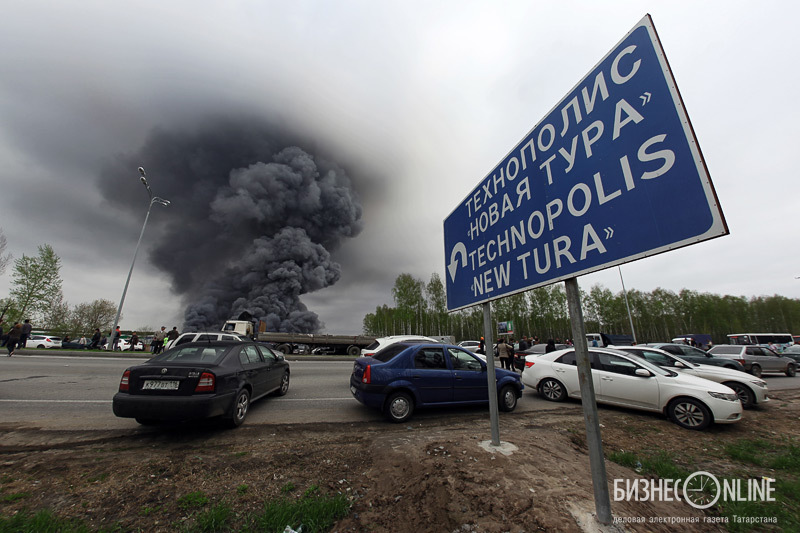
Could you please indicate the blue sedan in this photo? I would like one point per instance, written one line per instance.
(402, 377)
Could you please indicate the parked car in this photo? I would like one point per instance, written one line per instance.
(204, 336)
(696, 355)
(756, 359)
(536, 349)
(200, 380)
(382, 342)
(470, 345)
(74, 345)
(751, 391)
(124, 345)
(407, 376)
(626, 380)
(793, 352)
(43, 341)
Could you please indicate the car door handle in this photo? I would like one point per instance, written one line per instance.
(607, 379)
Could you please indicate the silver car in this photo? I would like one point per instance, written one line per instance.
(756, 359)
(750, 390)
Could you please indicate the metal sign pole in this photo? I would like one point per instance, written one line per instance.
(602, 500)
(488, 346)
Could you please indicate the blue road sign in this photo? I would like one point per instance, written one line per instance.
(612, 174)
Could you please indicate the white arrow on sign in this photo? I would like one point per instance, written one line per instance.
(645, 98)
(609, 232)
(461, 249)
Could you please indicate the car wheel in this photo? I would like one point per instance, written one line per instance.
(240, 407)
(744, 393)
(689, 413)
(285, 348)
(552, 390)
(756, 371)
(399, 407)
(508, 398)
(354, 351)
(791, 371)
(40, 347)
(284, 388)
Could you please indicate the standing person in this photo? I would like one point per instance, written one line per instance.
(503, 353)
(14, 336)
(523, 344)
(115, 339)
(158, 340)
(172, 335)
(551, 346)
(134, 341)
(26, 333)
(82, 341)
(95, 339)
(481, 347)
(2, 336)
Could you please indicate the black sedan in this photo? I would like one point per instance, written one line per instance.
(200, 380)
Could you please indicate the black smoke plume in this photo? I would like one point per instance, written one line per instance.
(254, 218)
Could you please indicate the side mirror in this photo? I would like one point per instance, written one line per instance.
(678, 364)
(643, 373)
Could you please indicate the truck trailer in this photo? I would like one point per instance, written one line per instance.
(299, 342)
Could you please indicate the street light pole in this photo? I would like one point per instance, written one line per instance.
(153, 200)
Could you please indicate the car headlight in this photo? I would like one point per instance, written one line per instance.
(724, 396)
(759, 383)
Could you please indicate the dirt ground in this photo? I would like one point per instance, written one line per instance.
(431, 474)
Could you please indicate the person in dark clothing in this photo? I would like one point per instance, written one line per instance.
(14, 336)
(26, 333)
(134, 341)
(551, 346)
(95, 339)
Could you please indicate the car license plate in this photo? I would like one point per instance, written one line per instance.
(160, 385)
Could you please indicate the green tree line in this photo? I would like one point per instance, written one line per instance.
(420, 309)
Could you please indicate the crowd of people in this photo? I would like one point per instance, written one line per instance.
(507, 348)
(16, 337)
(18, 334)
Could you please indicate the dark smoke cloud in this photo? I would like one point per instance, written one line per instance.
(253, 221)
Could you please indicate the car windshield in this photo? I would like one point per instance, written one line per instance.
(647, 364)
(192, 354)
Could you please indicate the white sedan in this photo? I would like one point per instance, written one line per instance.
(627, 380)
(43, 341)
(750, 390)
(124, 345)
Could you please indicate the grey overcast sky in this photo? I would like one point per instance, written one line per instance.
(415, 100)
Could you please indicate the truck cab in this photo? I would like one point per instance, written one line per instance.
(242, 327)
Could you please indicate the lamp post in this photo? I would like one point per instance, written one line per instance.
(153, 200)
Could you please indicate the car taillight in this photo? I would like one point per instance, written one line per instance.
(529, 364)
(124, 383)
(367, 377)
(205, 383)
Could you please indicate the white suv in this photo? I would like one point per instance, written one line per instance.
(203, 336)
(383, 342)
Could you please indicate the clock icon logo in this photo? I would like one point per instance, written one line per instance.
(701, 490)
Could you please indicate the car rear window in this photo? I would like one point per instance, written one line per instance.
(388, 353)
(192, 354)
(726, 349)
